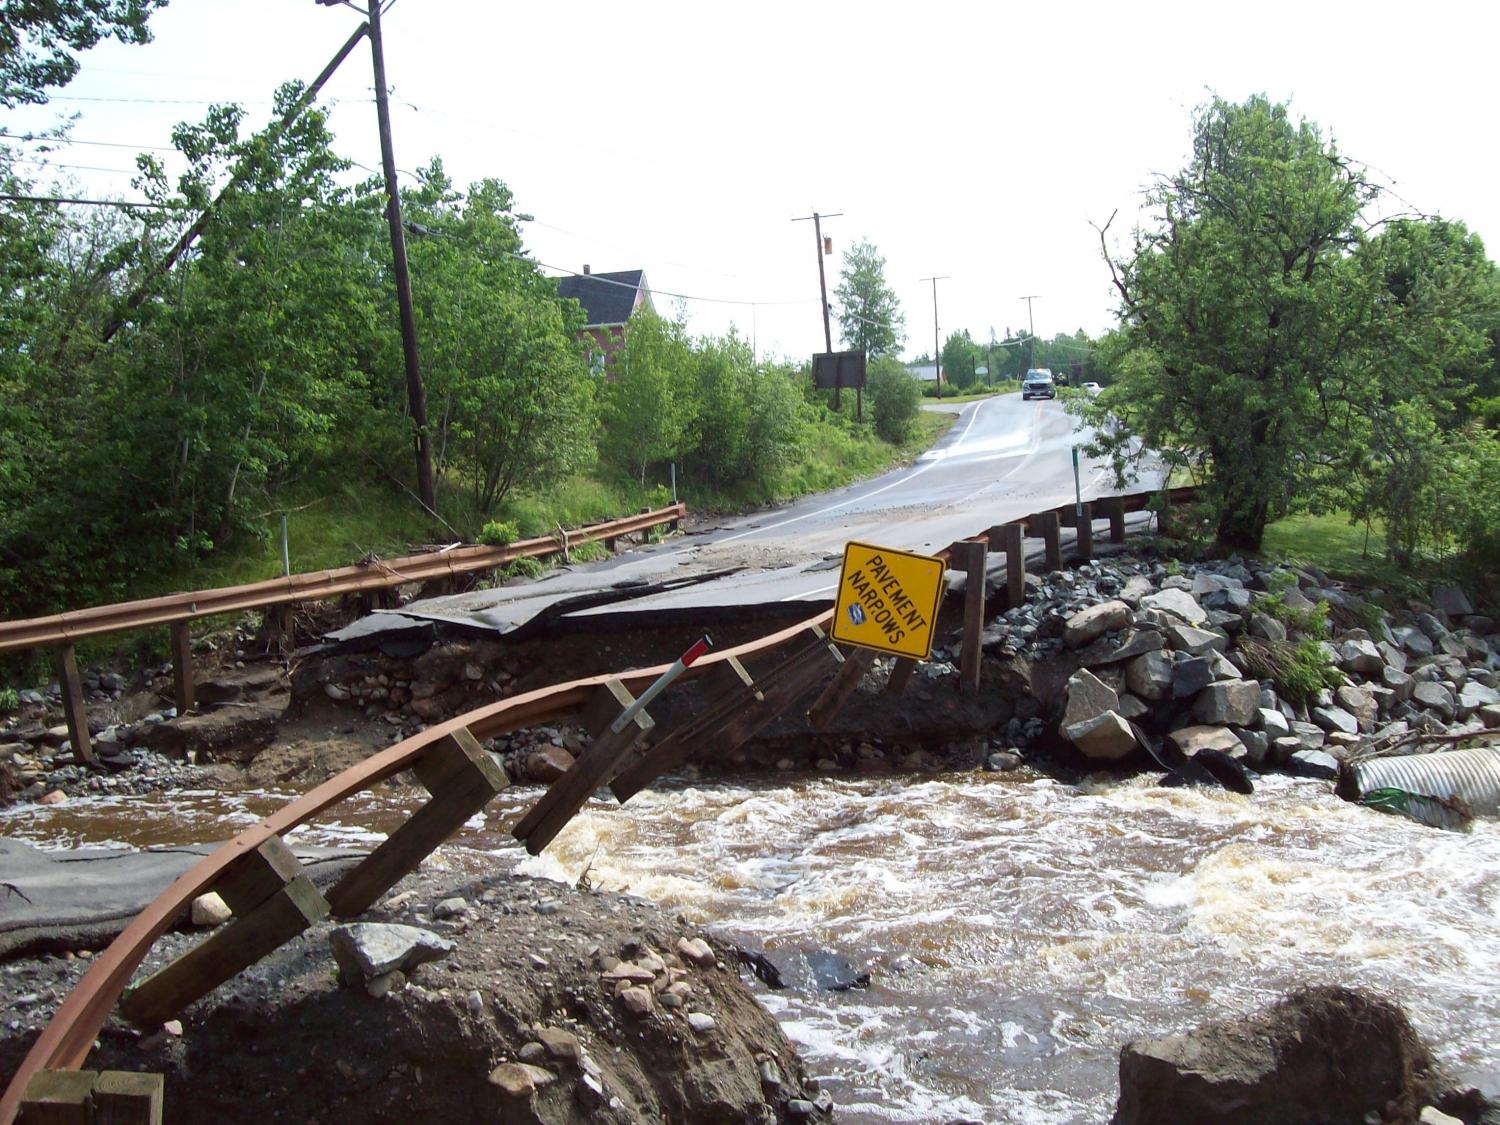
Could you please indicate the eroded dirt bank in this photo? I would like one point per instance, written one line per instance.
(554, 1005)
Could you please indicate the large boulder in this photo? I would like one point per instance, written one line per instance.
(1088, 697)
(1452, 601)
(1196, 642)
(1190, 741)
(1132, 644)
(365, 950)
(1176, 603)
(1191, 676)
(1150, 676)
(1105, 738)
(1360, 657)
(1333, 719)
(1435, 697)
(1233, 701)
(1322, 1056)
(1094, 621)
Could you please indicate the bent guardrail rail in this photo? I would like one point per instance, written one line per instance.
(459, 785)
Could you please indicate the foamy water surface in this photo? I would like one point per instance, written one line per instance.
(1019, 929)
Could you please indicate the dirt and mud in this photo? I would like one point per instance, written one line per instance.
(525, 1021)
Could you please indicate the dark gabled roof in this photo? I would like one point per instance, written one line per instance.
(607, 298)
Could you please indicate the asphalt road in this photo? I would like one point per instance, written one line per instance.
(1002, 459)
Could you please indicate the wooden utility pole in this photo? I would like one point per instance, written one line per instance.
(416, 395)
(937, 343)
(1030, 332)
(817, 222)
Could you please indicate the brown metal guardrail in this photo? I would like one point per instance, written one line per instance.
(61, 630)
(96, 621)
(457, 790)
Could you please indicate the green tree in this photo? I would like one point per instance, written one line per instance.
(648, 402)
(1239, 305)
(895, 399)
(870, 317)
(37, 36)
(510, 388)
(1427, 353)
(960, 360)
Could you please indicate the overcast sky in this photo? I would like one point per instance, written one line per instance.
(975, 140)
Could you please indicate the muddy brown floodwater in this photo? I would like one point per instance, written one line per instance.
(1019, 929)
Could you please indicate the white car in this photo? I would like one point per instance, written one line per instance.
(1092, 388)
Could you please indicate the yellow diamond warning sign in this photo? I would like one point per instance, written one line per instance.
(888, 600)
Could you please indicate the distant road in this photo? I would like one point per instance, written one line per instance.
(1003, 458)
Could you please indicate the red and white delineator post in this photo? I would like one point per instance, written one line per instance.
(681, 665)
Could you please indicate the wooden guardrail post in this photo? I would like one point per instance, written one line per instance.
(127, 1098)
(1011, 538)
(1113, 509)
(593, 768)
(59, 1097)
(1083, 525)
(86, 1097)
(901, 673)
(969, 556)
(72, 700)
(273, 901)
(182, 666)
(462, 778)
(735, 714)
(857, 662)
(1044, 527)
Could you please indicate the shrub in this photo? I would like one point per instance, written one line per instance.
(1299, 670)
(10, 699)
(590, 551)
(525, 568)
(894, 399)
(1312, 621)
(499, 533)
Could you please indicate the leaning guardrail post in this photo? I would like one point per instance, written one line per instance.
(857, 662)
(969, 557)
(72, 701)
(462, 778)
(182, 666)
(901, 674)
(273, 901)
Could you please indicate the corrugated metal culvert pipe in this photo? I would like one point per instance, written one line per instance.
(1446, 789)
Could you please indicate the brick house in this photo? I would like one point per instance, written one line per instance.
(609, 300)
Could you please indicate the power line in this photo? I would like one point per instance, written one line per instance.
(29, 139)
(86, 202)
(661, 292)
(71, 167)
(155, 101)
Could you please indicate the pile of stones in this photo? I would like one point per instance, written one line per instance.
(37, 762)
(1162, 664)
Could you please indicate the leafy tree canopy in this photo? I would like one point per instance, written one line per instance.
(38, 36)
(870, 316)
(1297, 352)
(1237, 305)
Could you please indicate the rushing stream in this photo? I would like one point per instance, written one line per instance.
(1019, 929)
